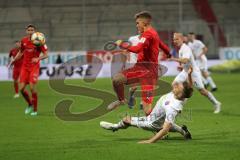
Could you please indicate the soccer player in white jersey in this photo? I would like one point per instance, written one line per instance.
(186, 59)
(199, 51)
(162, 118)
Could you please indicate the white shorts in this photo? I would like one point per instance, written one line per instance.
(151, 122)
(196, 78)
(202, 64)
(147, 123)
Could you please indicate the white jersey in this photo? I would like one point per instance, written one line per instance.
(134, 40)
(166, 110)
(186, 52)
(167, 106)
(197, 48)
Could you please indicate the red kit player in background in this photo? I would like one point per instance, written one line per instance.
(145, 71)
(30, 68)
(16, 66)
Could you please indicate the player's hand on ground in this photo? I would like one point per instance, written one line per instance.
(35, 60)
(145, 142)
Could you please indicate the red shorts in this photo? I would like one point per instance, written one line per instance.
(16, 73)
(144, 76)
(29, 75)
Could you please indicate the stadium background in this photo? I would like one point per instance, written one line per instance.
(87, 24)
(80, 27)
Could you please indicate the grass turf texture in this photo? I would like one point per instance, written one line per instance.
(47, 137)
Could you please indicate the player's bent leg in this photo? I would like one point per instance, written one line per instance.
(182, 130)
(147, 97)
(119, 80)
(210, 96)
(204, 80)
(34, 99)
(15, 84)
(123, 124)
(26, 97)
(147, 108)
(131, 100)
(210, 81)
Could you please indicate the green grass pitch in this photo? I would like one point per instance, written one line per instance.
(47, 137)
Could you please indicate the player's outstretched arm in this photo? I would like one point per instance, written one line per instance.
(17, 57)
(43, 56)
(165, 48)
(204, 51)
(179, 60)
(160, 134)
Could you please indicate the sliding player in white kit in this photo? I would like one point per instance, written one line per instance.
(186, 59)
(162, 118)
(199, 51)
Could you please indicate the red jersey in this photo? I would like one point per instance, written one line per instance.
(148, 47)
(31, 51)
(13, 52)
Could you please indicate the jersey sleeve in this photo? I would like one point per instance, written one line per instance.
(144, 42)
(164, 48)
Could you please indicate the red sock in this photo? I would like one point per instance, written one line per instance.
(26, 97)
(16, 87)
(119, 89)
(34, 101)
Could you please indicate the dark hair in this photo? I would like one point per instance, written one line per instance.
(143, 14)
(192, 33)
(16, 41)
(31, 25)
(187, 91)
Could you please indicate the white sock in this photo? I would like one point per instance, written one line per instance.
(210, 81)
(212, 98)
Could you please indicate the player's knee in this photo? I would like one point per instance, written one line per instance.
(118, 79)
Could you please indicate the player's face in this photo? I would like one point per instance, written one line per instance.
(30, 30)
(177, 40)
(178, 90)
(190, 37)
(140, 24)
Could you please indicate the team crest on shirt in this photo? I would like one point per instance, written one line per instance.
(167, 102)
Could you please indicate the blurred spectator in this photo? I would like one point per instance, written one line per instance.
(59, 59)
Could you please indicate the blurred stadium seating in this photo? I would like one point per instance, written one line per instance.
(88, 24)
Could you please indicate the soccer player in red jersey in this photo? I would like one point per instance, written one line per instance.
(145, 71)
(16, 66)
(30, 68)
